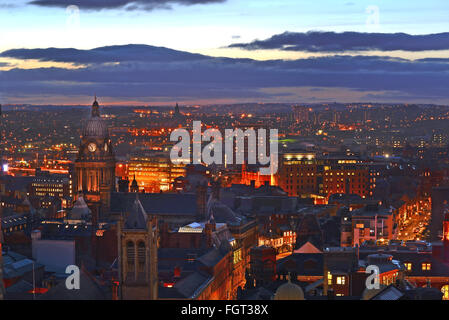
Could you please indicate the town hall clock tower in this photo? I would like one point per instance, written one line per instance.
(95, 164)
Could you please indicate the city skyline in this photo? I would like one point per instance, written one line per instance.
(206, 52)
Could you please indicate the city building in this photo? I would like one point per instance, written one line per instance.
(306, 175)
(372, 223)
(46, 183)
(154, 171)
(95, 164)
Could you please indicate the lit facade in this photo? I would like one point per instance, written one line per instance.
(305, 174)
(59, 185)
(154, 172)
(95, 164)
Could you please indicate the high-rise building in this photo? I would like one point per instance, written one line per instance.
(95, 164)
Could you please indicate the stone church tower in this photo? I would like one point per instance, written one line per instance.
(137, 252)
(95, 164)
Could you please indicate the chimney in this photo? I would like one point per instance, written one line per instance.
(201, 200)
(216, 186)
(36, 234)
(209, 229)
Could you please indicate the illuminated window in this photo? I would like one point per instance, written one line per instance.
(329, 278)
(408, 266)
(237, 256)
(341, 280)
(426, 266)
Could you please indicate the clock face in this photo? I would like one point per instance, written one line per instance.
(92, 147)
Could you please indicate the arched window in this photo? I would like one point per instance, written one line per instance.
(141, 256)
(130, 255)
(445, 291)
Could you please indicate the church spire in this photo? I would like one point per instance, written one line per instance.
(134, 185)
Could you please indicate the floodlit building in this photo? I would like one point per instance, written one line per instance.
(154, 171)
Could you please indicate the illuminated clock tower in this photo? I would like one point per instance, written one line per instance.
(95, 164)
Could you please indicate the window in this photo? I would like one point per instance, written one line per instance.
(237, 256)
(426, 266)
(130, 254)
(408, 266)
(341, 280)
(141, 256)
(329, 278)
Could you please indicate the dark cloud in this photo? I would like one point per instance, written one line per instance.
(114, 4)
(104, 54)
(318, 41)
(166, 74)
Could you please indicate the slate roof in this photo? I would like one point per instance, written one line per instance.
(347, 198)
(17, 183)
(221, 212)
(137, 218)
(192, 285)
(389, 293)
(416, 258)
(14, 220)
(89, 290)
(156, 203)
(310, 264)
(16, 265)
(80, 209)
(193, 277)
(212, 257)
(259, 293)
(371, 210)
(168, 258)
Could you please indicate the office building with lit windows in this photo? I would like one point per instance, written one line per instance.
(305, 174)
(52, 184)
(154, 171)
